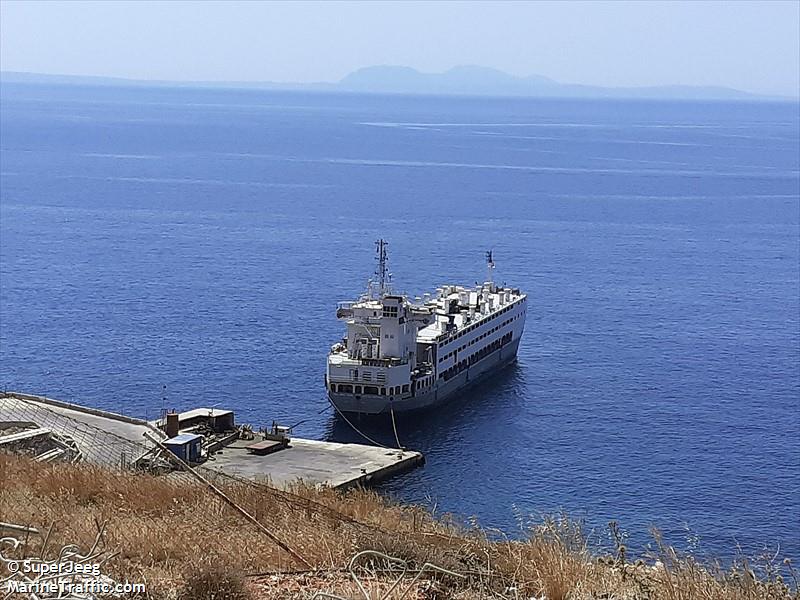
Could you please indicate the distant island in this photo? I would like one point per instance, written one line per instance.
(465, 80)
(484, 81)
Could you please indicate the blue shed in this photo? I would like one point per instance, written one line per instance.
(185, 446)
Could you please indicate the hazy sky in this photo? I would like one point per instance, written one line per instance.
(753, 46)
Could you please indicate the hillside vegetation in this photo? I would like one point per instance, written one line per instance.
(187, 543)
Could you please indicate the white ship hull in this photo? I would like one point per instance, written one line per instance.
(435, 396)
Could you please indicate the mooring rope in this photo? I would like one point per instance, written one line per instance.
(394, 426)
(356, 429)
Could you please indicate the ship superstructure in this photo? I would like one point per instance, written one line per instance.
(401, 355)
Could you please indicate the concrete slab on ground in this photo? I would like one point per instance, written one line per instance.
(316, 463)
(119, 425)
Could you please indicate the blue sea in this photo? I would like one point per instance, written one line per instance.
(187, 247)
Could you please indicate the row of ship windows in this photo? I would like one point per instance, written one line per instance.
(347, 388)
(479, 338)
(367, 376)
(471, 327)
(475, 357)
(425, 382)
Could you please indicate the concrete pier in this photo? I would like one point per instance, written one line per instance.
(316, 463)
(108, 438)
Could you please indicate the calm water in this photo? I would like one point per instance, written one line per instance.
(200, 240)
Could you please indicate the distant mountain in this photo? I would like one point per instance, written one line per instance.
(483, 81)
(389, 79)
(458, 80)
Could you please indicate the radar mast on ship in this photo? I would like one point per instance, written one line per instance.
(382, 274)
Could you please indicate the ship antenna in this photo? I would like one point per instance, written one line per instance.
(489, 266)
(383, 270)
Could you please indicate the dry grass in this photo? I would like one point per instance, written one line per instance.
(184, 543)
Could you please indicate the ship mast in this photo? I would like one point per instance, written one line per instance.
(383, 270)
(489, 267)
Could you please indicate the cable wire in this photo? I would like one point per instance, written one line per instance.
(394, 427)
(356, 429)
